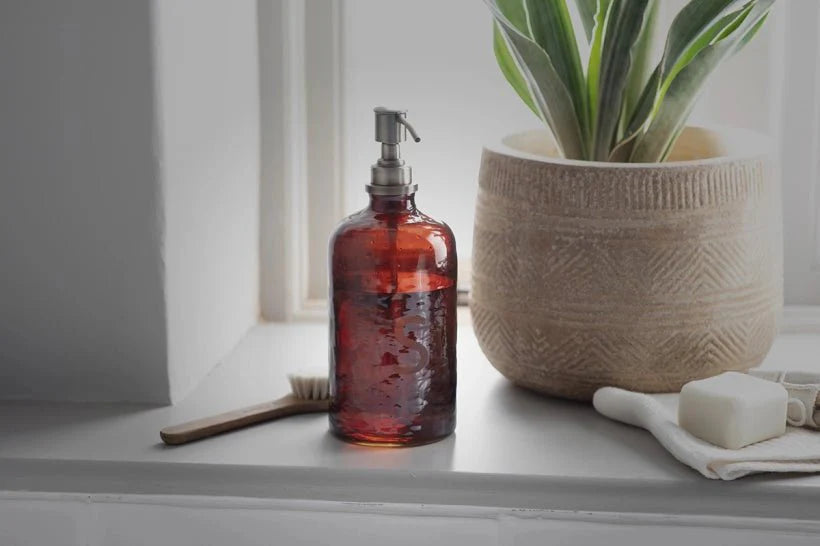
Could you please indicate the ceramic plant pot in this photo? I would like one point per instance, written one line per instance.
(641, 276)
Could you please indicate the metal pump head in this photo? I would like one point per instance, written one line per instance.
(390, 176)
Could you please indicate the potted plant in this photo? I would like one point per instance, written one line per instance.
(622, 247)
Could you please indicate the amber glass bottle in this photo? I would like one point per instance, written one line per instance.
(393, 316)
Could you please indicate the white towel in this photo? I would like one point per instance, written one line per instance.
(796, 451)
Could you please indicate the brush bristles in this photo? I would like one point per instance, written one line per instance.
(310, 387)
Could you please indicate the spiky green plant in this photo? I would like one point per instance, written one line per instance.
(616, 110)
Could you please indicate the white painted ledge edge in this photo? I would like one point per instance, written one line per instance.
(790, 526)
(750, 498)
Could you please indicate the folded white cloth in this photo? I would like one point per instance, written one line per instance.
(796, 451)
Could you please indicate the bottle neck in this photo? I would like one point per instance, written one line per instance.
(393, 203)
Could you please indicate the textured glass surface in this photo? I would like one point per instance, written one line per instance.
(393, 326)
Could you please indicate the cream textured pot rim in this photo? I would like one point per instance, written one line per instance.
(715, 144)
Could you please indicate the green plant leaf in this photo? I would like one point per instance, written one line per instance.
(729, 34)
(751, 34)
(551, 28)
(716, 31)
(689, 34)
(688, 24)
(615, 112)
(624, 21)
(639, 71)
(622, 151)
(510, 70)
(587, 9)
(594, 63)
(548, 91)
(516, 14)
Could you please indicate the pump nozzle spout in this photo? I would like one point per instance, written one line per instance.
(409, 127)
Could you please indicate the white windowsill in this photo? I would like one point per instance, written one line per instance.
(512, 448)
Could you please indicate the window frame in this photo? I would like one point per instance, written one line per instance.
(303, 154)
(301, 187)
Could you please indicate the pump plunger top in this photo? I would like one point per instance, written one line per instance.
(391, 125)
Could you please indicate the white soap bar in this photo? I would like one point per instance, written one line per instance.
(733, 409)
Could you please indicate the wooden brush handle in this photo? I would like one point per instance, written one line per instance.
(235, 419)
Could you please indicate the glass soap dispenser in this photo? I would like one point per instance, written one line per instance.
(393, 310)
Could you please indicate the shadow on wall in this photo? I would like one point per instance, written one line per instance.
(82, 312)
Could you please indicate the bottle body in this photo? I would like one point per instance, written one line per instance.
(392, 325)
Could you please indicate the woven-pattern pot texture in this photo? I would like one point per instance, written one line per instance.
(641, 276)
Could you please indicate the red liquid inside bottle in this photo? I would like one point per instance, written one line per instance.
(393, 326)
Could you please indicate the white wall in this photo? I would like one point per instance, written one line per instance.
(208, 110)
(82, 310)
(799, 139)
(128, 195)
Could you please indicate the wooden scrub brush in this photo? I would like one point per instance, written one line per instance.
(310, 394)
